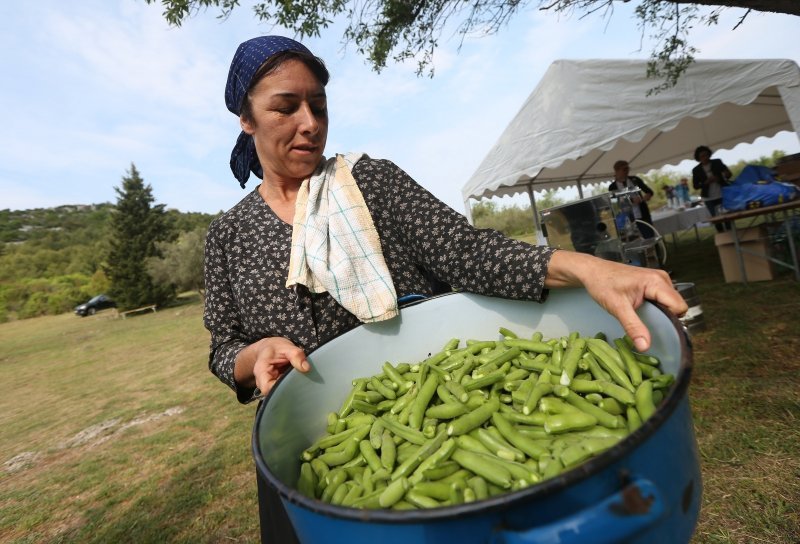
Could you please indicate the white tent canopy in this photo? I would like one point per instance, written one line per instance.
(586, 114)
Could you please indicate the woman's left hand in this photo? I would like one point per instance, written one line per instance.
(619, 288)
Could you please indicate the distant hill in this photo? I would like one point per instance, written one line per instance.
(52, 258)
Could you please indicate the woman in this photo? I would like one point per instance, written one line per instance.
(623, 181)
(710, 176)
(260, 327)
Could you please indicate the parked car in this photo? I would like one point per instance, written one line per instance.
(100, 302)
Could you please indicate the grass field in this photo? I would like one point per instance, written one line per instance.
(114, 430)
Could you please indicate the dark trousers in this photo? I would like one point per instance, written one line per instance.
(713, 208)
(275, 525)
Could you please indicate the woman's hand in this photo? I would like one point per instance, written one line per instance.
(260, 364)
(619, 288)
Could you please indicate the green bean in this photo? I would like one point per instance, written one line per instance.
(439, 456)
(457, 390)
(421, 501)
(658, 396)
(542, 388)
(465, 368)
(381, 388)
(336, 480)
(352, 495)
(594, 398)
(506, 414)
(476, 463)
(534, 418)
(307, 483)
(370, 455)
(434, 490)
(369, 500)
(603, 418)
(644, 400)
(404, 400)
(479, 487)
(632, 366)
(649, 371)
(497, 447)
(420, 403)
(334, 439)
(612, 406)
(507, 333)
(554, 405)
(388, 450)
(442, 470)
(516, 438)
(561, 423)
(634, 420)
(447, 410)
(442, 375)
(340, 493)
(371, 396)
(425, 451)
(395, 427)
(357, 419)
(488, 379)
(446, 396)
(473, 419)
(336, 458)
(471, 443)
(532, 346)
(356, 463)
(393, 492)
(611, 362)
(570, 362)
(347, 406)
(364, 406)
(556, 356)
(540, 363)
(663, 381)
(366, 481)
(573, 455)
(606, 388)
(647, 359)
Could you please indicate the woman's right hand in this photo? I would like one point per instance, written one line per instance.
(261, 364)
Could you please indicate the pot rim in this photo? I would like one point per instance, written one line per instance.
(500, 502)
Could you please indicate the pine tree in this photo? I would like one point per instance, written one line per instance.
(136, 227)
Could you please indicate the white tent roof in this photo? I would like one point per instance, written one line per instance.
(586, 114)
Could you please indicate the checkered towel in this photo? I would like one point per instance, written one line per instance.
(335, 246)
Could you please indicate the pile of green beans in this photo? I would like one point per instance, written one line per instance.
(478, 420)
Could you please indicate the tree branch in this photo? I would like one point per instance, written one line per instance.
(790, 7)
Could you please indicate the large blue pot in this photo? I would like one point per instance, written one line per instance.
(646, 489)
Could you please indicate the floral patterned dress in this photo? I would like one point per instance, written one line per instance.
(247, 260)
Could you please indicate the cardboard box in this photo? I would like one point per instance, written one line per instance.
(757, 268)
(788, 168)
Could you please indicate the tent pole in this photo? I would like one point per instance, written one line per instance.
(468, 210)
(534, 210)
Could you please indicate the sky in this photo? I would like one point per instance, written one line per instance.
(93, 86)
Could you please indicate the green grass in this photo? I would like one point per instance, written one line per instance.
(189, 477)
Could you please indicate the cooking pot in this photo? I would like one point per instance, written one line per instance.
(645, 489)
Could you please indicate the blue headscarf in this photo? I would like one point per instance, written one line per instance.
(249, 57)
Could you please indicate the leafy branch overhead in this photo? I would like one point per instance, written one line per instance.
(405, 29)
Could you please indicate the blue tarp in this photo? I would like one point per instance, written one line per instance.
(755, 187)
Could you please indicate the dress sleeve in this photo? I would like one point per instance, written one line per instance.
(481, 261)
(221, 316)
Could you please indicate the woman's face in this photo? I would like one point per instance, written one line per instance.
(289, 122)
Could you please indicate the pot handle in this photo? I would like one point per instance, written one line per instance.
(615, 519)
